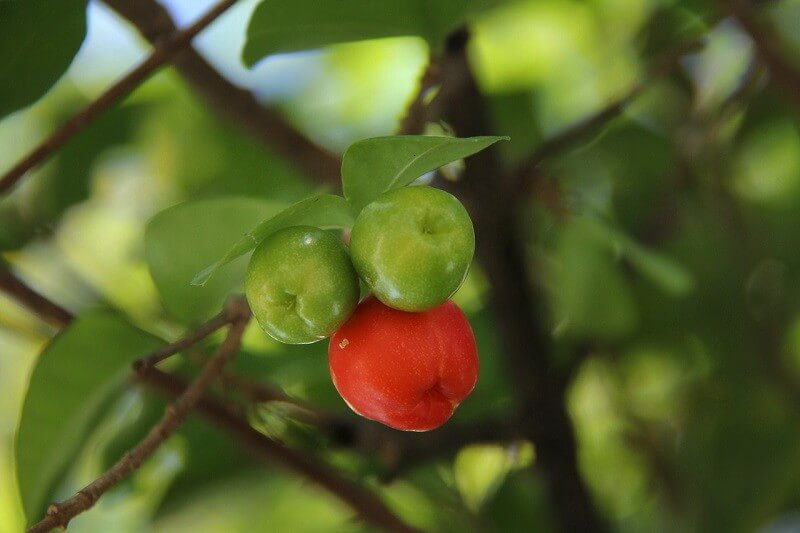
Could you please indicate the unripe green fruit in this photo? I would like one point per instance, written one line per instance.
(301, 285)
(413, 246)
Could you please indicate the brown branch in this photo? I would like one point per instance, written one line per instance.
(32, 300)
(364, 503)
(571, 134)
(768, 47)
(235, 104)
(413, 122)
(231, 312)
(397, 450)
(59, 515)
(160, 56)
(494, 205)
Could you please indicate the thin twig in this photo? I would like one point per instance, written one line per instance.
(571, 134)
(158, 58)
(364, 503)
(233, 103)
(768, 47)
(35, 302)
(215, 324)
(59, 515)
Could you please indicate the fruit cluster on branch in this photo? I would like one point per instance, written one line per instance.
(405, 356)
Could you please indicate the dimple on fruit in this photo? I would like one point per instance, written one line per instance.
(413, 247)
(301, 285)
(407, 370)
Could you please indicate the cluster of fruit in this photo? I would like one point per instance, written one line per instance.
(404, 356)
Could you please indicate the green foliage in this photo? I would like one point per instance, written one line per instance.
(520, 504)
(38, 39)
(670, 25)
(326, 211)
(208, 456)
(374, 166)
(291, 25)
(261, 502)
(174, 254)
(70, 386)
(592, 299)
(480, 470)
(66, 181)
(665, 238)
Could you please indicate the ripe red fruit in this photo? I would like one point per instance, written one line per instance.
(406, 370)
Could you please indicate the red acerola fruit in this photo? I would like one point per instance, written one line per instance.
(406, 370)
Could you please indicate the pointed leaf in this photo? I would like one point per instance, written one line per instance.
(70, 385)
(374, 166)
(292, 25)
(183, 239)
(286, 26)
(326, 211)
(38, 39)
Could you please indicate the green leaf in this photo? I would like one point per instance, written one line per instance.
(669, 26)
(67, 180)
(480, 470)
(286, 26)
(670, 276)
(238, 505)
(38, 39)
(374, 166)
(70, 385)
(183, 239)
(326, 211)
(209, 456)
(291, 25)
(592, 299)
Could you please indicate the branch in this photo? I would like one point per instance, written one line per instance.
(32, 300)
(571, 134)
(233, 310)
(768, 47)
(397, 450)
(494, 205)
(59, 515)
(237, 105)
(364, 503)
(160, 55)
(416, 114)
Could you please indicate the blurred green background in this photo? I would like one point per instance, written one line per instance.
(667, 240)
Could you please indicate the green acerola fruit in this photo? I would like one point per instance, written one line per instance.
(301, 285)
(413, 246)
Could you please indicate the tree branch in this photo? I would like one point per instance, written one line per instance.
(160, 56)
(494, 205)
(413, 122)
(571, 134)
(768, 47)
(32, 300)
(233, 310)
(364, 503)
(59, 515)
(230, 102)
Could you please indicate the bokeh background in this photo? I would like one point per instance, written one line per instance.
(666, 241)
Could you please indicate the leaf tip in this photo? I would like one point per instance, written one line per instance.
(204, 275)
